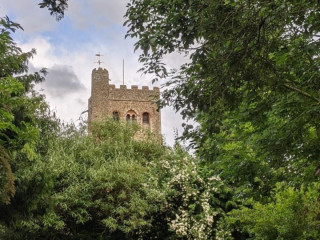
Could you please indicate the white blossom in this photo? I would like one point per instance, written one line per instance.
(193, 191)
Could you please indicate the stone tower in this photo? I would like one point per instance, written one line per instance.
(123, 104)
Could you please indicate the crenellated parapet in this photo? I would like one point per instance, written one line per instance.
(133, 93)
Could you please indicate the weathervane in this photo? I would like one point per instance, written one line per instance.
(99, 61)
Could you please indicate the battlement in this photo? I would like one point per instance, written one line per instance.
(133, 88)
(100, 75)
(133, 93)
(99, 70)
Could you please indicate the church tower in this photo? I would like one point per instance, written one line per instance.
(99, 94)
(123, 104)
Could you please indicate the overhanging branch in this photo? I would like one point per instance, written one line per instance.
(301, 92)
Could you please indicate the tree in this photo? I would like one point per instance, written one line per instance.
(254, 62)
(20, 107)
(285, 218)
(252, 83)
(239, 51)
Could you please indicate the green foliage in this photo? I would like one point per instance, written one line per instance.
(252, 84)
(56, 7)
(80, 187)
(105, 185)
(20, 107)
(294, 214)
(103, 181)
(261, 54)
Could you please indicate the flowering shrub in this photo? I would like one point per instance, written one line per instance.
(188, 199)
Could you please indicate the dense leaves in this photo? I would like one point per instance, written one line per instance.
(109, 185)
(21, 108)
(252, 84)
(89, 188)
(293, 215)
(239, 51)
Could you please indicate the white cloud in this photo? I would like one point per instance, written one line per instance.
(45, 56)
(29, 15)
(74, 75)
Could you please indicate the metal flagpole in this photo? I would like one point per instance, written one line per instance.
(123, 71)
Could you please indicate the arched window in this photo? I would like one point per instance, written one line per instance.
(131, 116)
(145, 118)
(115, 115)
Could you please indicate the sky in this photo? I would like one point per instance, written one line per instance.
(67, 49)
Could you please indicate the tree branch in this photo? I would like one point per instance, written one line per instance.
(301, 92)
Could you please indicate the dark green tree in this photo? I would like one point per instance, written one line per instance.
(20, 107)
(241, 52)
(252, 84)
